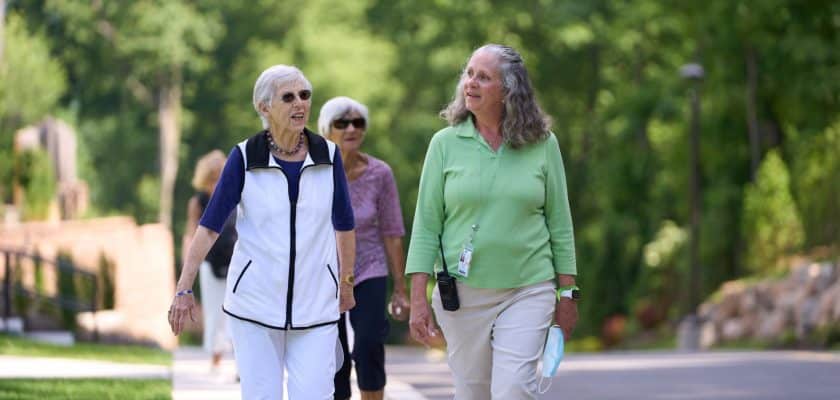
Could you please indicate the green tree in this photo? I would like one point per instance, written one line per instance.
(772, 226)
(31, 83)
(157, 42)
(816, 186)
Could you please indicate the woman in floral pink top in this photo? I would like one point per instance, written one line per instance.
(379, 232)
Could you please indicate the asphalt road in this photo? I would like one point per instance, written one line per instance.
(656, 375)
(724, 375)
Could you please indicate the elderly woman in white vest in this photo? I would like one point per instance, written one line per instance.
(291, 272)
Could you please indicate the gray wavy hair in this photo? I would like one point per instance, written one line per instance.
(523, 121)
(336, 108)
(271, 79)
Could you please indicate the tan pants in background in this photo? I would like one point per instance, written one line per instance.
(495, 340)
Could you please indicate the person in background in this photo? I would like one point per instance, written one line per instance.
(379, 233)
(213, 269)
(291, 273)
(493, 196)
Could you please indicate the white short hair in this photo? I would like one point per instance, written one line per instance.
(271, 79)
(336, 108)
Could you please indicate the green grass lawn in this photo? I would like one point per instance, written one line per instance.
(15, 346)
(84, 389)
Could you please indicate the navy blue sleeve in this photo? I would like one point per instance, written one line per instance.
(227, 193)
(342, 212)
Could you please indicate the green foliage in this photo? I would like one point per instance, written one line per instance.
(35, 174)
(772, 228)
(148, 191)
(38, 266)
(607, 72)
(31, 81)
(133, 354)
(663, 278)
(20, 301)
(106, 282)
(106, 389)
(816, 185)
(67, 289)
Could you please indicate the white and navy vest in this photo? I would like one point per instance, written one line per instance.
(284, 269)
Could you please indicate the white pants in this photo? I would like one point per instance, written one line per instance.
(216, 339)
(494, 341)
(263, 354)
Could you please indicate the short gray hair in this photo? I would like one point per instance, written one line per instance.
(523, 121)
(336, 108)
(271, 79)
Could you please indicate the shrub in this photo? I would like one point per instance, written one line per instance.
(34, 173)
(771, 224)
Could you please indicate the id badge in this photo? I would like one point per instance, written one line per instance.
(464, 260)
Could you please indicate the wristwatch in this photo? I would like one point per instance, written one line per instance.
(569, 292)
(349, 279)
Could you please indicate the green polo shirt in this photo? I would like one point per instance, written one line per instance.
(517, 197)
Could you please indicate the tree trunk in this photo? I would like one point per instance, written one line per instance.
(169, 114)
(752, 113)
(2, 28)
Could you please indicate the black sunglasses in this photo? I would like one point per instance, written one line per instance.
(289, 97)
(358, 123)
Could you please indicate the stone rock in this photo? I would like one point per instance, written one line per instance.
(708, 335)
(764, 296)
(733, 329)
(829, 302)
(706, 310)
(806, 316)
(728, 307)
(772, 325)
(748, 303)
(749, 324)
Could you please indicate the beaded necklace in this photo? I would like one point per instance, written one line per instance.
(279, 150)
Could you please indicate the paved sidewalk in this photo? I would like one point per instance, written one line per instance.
(50, 367)
(192, 378)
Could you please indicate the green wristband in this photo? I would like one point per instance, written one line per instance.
(573, 288)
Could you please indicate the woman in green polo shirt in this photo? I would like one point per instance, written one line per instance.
(493, 200)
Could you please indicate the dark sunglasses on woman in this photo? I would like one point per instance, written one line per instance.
(289, 97)
(358, 123)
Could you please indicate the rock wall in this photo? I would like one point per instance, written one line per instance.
(143, 275)
(806, 300)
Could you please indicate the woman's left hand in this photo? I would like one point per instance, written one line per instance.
(399, 306)
(566, 315)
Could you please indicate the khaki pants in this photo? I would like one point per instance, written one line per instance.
(495, 340)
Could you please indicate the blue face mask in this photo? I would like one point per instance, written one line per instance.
(552, 355)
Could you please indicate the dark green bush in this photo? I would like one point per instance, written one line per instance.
(35, 175)
(66, 289)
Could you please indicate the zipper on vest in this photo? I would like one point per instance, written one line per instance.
(292, 254)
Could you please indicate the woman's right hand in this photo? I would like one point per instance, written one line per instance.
(420, 322)
(182, 307)
(346, 299)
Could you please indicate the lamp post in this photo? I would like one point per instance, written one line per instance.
(689, 329)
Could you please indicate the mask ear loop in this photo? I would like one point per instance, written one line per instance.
(539, 385)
